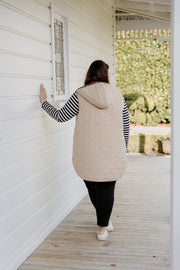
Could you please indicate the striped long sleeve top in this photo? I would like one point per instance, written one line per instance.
(71, 108)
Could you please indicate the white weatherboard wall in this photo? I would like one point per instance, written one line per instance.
(38, 185)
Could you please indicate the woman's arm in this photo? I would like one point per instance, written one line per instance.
(126, 124)
(69, 110)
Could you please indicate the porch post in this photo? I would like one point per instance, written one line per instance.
(175, 105)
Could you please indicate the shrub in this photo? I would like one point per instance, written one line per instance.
(143, 77)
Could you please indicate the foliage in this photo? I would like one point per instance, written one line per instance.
(143, 77)
(149, 143)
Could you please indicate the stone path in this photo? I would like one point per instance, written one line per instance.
(148, 129)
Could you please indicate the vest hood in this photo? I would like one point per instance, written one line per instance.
(99, 94)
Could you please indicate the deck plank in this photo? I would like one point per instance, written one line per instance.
(141, 217)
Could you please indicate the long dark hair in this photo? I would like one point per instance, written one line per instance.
(97, 72)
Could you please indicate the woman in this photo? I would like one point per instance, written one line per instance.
(100, 138)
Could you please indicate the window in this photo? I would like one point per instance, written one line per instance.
(60, 54)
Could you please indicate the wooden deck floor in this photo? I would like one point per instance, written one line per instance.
(141, 217)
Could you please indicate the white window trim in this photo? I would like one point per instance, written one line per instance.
(55, 13)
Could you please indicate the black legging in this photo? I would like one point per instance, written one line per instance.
(102, 197)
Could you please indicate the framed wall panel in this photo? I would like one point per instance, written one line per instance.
(60, 54)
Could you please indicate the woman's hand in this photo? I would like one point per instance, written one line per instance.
(43, 94)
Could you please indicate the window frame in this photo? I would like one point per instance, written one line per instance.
(56, 14)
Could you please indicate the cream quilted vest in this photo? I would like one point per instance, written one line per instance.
(99, 151)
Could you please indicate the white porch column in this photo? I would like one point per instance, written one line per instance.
(175, 105)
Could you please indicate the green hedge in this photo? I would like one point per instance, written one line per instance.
(143, 77)
(149, 143)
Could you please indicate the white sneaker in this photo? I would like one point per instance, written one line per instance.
(102, 234)
(110, 227)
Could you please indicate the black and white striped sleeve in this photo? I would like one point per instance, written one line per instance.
(126, 124)
(69, 110)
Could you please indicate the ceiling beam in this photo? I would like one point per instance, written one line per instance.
(162, 2)
(153, 15)
(136, 5)
(151, 12)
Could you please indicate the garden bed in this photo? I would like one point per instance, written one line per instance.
(149, 143)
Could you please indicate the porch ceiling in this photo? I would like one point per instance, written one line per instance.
(159, 9)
